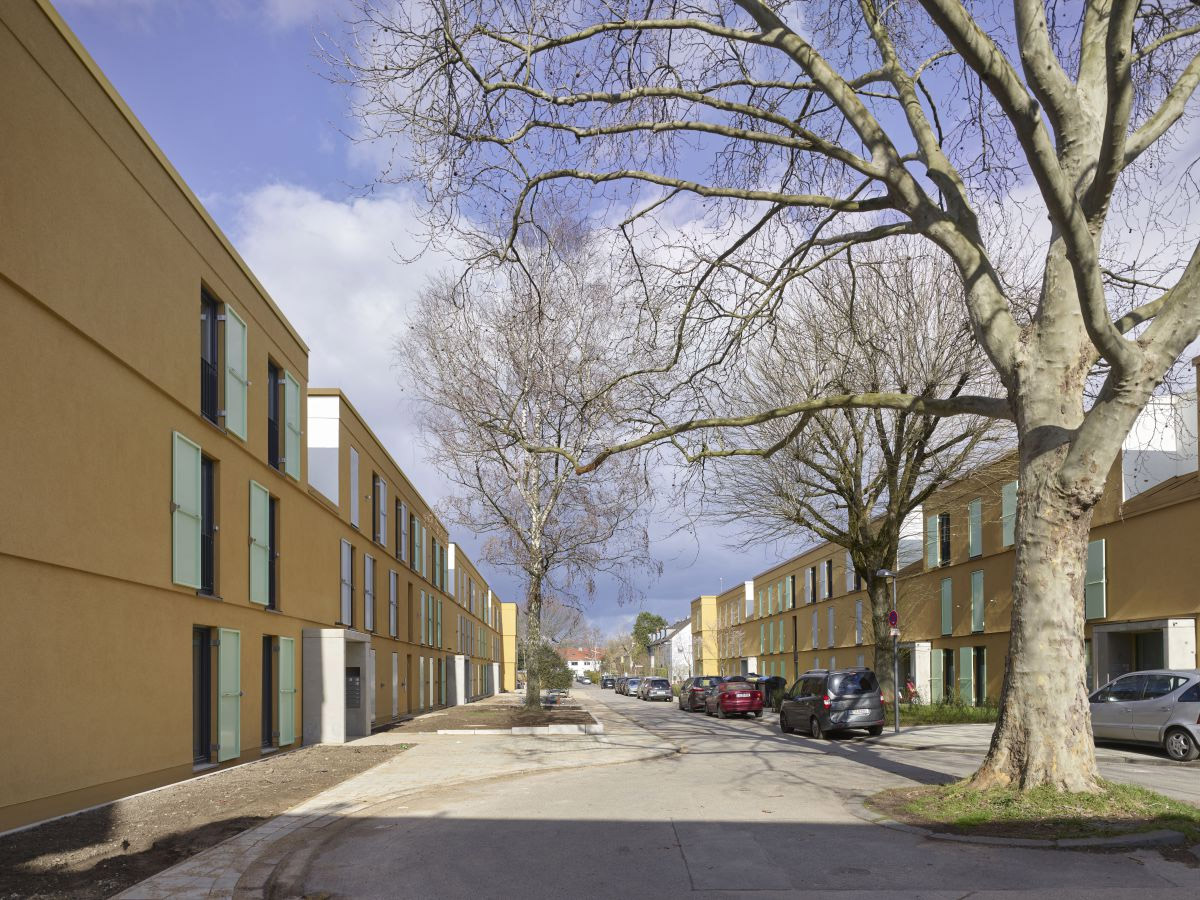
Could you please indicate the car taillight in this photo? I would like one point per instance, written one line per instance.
(826, 701)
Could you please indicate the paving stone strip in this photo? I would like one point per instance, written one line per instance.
(247, 865)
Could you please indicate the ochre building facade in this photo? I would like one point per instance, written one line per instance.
(202, 559)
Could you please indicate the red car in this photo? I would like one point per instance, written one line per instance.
(731, 697)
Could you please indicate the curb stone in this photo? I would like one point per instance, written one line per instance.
(1161, 838)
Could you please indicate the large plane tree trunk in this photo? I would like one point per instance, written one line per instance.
(1044, 736)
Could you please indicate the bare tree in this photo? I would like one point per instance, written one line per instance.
(855, 477)
(502, 362)
(742, 144)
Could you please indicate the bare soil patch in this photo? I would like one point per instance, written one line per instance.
(494, 716)
(1040, 813)
(103, 851)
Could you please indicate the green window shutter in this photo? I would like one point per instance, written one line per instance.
(235, 373)
(185, 511)
(931, 542)
(1008, 513)
(977, 601)
(420, 682)
(947, 606)
(935, 676)
(966, 675)
(975, 527)
(815, 624)
(1095, 591)
(762, 641)
(229, 694)
(439, 623)
(781, 640)
(291, 425)
(287, 691)
(260, 543)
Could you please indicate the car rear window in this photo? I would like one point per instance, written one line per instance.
(739, 686)
(853, 683)
(659, 682)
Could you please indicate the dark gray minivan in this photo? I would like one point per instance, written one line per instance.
(822, 701)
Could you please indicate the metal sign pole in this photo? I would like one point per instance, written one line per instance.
(895, 661)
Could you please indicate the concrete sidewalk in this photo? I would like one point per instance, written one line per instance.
(245, 864)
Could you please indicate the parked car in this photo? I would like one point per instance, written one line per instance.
(1160, 707)
(746, 677)
(823, 701)
(631, 686)
(655, 689)
(619, 687)
(729, 697)
(607, 682)
(691, 692)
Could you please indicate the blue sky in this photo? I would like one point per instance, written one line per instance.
(232, 91)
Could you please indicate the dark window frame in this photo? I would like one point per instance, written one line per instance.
(210, 357)
(273, 553)
(274, 417)
(208, 525)
(944, 539)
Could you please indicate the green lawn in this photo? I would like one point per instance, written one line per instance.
(1039, 813)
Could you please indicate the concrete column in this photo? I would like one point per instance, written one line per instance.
(495, 678)
(921, 673)
(1179, 642)
(457, 691)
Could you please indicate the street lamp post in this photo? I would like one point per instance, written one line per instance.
(887, 573)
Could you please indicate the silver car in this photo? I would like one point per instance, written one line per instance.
(655, 689)
(1160, 707)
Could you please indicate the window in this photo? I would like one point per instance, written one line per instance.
(1124, 689)
(273, 556)
(944, 539)
(346, 613)
(791, 592)
(208, 526)
(947, 606)
(379, 509)
(1008, 513)
(812, 584)
(975, 527)
(393, 604)
(977, 601)
(369, 592)
(1161, 685)
(353, 487)
(1095, 591)
(402, 532)
(209, 358)
(828, 579)
(274, 414)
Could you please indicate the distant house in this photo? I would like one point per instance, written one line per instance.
(581, 659)
(671, 650)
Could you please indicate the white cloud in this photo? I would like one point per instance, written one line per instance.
(336, 269)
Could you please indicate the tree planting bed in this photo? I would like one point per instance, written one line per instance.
(106, 850)
(493, 716)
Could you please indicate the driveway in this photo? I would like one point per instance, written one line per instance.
(740, 810)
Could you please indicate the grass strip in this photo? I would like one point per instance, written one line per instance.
(1042, 812)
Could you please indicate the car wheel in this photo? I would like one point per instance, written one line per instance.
(707, 711)
(814, 728)
(784, 727)
(720, 712)
(875, 730)
(758, 714)
(1180, 746)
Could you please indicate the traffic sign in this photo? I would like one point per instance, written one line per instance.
(893, 619)
(895, 633)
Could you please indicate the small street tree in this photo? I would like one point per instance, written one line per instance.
(645, 626)
(737, 146)
(513, 354)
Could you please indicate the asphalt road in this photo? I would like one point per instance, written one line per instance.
(740, 810)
